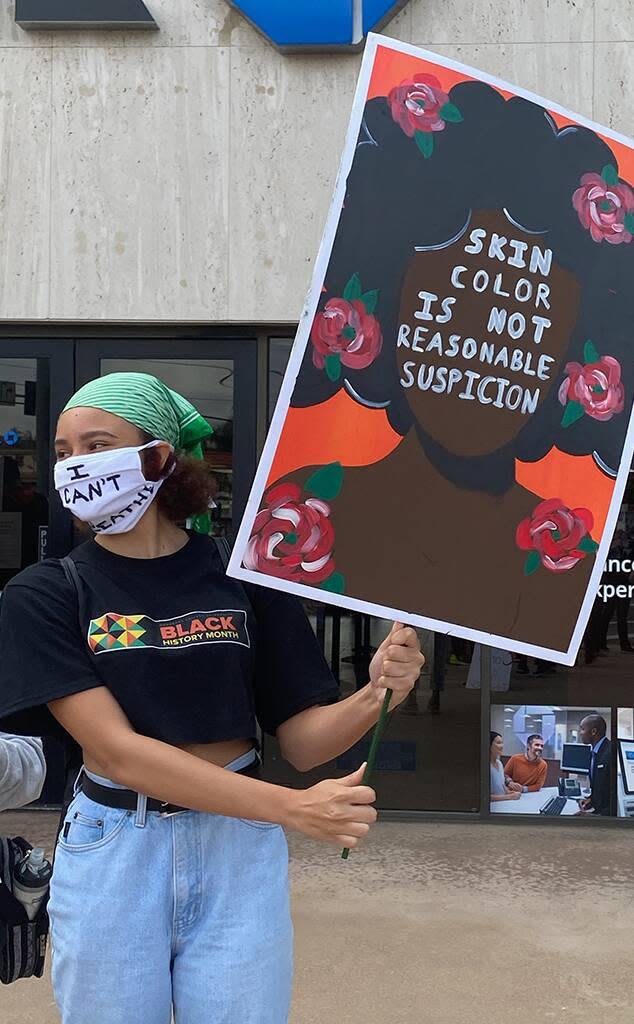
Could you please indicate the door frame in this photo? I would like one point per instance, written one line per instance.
(242, 351)
(60, 355)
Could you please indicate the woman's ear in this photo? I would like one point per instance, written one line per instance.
(157, 461)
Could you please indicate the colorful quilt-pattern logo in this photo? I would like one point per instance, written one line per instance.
(116, 632)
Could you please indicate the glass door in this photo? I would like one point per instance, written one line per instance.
(219, 378)
(36, 378)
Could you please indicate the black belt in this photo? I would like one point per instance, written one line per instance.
(127, 799)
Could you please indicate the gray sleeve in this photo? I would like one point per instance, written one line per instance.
(22, 770)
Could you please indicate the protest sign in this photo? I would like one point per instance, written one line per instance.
(454, 431)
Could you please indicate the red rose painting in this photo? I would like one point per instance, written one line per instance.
(291, 538)
(346, 332)
(605, 206)
(594, 389)
(556, 536)
(420, 106)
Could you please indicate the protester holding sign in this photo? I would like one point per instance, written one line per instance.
(170, 883)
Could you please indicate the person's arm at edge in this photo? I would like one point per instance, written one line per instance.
(22, 770)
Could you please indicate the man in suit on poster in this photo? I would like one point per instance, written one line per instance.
(593, 730)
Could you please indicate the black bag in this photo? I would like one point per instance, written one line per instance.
(22, 942)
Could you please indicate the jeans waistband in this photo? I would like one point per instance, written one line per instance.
(243, 761)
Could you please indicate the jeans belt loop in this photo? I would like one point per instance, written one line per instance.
(170, 814)
(141, 811)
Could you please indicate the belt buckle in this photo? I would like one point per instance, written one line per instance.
(169, 814)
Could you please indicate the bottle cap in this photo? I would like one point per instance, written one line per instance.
(36, 858)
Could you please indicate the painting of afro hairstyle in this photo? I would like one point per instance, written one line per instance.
(507, 154)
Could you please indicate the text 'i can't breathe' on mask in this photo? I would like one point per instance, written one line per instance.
(107, 490)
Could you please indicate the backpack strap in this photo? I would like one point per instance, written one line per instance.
(73, 577)
(72, 752)
(224, 550)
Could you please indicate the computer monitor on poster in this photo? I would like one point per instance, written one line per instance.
(626, 758)
(575, 757)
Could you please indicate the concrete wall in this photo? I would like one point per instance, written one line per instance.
(185, 175)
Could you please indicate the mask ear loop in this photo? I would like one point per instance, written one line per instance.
(164, 474)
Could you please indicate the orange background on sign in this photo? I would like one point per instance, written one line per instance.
(341, 430)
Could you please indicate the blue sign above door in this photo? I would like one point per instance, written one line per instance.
(294, 25)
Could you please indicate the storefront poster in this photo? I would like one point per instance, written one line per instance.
(10, 540)
(561, 764)
(454, 430)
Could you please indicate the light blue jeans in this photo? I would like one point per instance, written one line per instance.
(156, 915)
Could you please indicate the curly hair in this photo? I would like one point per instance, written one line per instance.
(187, 490)
(507, 155)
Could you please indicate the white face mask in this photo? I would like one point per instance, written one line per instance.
(107, 490)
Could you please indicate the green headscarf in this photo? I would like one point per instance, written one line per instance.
(150, 405)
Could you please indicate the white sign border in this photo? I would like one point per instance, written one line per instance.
(235, 568)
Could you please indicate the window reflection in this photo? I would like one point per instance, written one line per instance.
(24, 463)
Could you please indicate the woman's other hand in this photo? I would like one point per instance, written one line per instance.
(337, 811)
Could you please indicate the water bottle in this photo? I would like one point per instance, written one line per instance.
(30, 881)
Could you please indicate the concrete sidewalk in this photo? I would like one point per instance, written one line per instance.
(443, 924)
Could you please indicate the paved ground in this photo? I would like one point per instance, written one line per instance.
(445, 924)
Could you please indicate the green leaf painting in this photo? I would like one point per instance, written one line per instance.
(333, 366)
(336, 583)
(353, 289)
(590, 354)
(425, 142)
(573, 412)
(610, 174)
(450, 112)
(588, 545)
(532, 563)
(370, 299)
(325, 483)
(628, 222)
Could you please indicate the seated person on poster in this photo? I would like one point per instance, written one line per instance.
(499, 788)
(527, 772)
(593, 730)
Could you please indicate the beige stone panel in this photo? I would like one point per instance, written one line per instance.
(501, 21)
(614, 20)
(289, 116)
(614, 91)
(25, 170)
(12, 35)
(181, 23)
(139, 206)
(561, 72)
(400, 26)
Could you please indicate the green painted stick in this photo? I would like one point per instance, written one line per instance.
(379, 729)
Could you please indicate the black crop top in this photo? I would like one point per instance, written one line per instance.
(191, 655)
